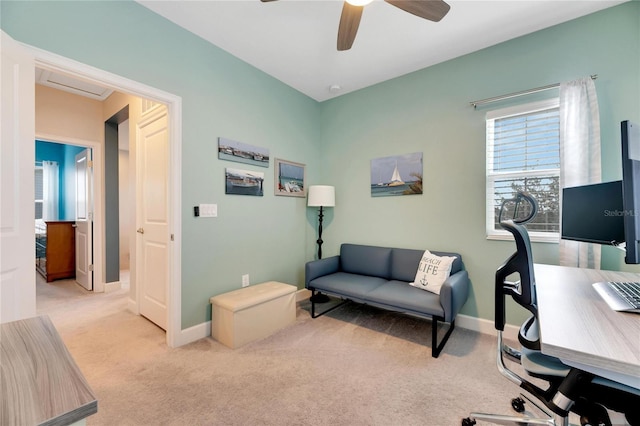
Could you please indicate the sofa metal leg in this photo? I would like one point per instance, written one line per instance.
(313, 306)
(319, 297)
(435, 348)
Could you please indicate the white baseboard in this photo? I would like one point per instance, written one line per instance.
(112, 286)
(194, 333)
(303, 294)
(480, 325)
(484, 326)
(133, 306)
(463, 321)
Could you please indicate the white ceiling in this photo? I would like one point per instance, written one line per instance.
(295, 40)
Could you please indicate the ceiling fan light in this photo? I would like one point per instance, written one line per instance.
(359, 2)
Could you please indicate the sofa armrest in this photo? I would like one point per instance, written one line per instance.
(320, 267)
(454, 293)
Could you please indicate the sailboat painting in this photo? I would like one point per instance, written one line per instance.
(396, 175)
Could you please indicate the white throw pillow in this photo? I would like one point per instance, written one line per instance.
(432, 272)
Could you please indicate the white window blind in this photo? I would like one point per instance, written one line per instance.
(523, 154)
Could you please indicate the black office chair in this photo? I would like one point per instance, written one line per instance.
(568, 389)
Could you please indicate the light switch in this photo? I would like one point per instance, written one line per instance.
(208, 210)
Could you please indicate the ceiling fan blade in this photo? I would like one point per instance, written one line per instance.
(266, 1)
(349, 22)
(433, 10)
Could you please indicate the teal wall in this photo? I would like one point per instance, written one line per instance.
(65, 156)
(427, 111)
(268, 237)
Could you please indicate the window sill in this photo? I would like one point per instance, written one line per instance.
(554, 239)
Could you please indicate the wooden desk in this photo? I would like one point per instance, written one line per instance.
(41, 383)
(578, 327)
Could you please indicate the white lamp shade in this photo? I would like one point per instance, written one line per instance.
(359, 2)
(321, 195)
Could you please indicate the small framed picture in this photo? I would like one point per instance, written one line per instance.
(242, 152)
(396, 175)
(290, 179)
(243, 182)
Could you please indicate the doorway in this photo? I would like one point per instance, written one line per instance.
(49, 61)
(126, 121)
(67, 196)
(63, 210)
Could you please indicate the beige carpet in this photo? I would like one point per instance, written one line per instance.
(354, 366)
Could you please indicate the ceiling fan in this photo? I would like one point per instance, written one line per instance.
(433, 10)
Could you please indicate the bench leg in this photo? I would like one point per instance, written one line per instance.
(313, 305)
(435, 347)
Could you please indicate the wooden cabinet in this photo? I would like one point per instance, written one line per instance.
(56, 251)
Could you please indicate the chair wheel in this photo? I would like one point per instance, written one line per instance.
(595, 415)
(518, 404)
(468, 422)
(587, 422)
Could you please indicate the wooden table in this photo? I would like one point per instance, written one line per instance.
(41, 383)
(577, 325)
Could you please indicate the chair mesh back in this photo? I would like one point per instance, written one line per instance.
(520, 262)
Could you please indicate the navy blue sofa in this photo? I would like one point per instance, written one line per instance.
(380, 277)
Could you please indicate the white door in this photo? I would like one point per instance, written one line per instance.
(152, 221)
(17, 193)
(84, 220)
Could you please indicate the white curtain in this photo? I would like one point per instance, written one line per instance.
(579, 157)
(50, 192)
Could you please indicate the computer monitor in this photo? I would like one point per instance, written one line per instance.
(593, 213)
(631, 189)
(609, 213)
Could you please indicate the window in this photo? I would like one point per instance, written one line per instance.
(523, 153)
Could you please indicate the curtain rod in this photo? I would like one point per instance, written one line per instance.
(516, 94)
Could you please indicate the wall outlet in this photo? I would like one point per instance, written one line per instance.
(245, 280)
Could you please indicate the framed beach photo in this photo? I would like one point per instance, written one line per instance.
(244, 182)
(396, 175)
(290, 179)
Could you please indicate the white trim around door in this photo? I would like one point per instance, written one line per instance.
(60, 64)
(98, 219)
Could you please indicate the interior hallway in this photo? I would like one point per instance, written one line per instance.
(71, 306)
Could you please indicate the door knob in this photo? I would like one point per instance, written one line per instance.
(140, 231)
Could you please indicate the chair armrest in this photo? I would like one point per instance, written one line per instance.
(320, 267)
(454, 293)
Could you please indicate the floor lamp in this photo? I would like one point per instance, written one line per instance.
(321, 196)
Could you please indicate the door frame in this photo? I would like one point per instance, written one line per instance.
(60, 64)
(98, 209)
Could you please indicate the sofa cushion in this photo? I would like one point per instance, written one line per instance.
(404, 263)
(400, 296)
(349, 285)
(365, 260)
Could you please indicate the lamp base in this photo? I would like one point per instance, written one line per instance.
(319, 298)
